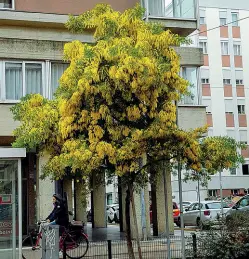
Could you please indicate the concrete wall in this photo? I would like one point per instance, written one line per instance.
(69, 6)
(7, 124)
(191, 117)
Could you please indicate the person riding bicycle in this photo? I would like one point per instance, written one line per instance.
(59, 215)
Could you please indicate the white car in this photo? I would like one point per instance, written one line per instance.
(111, 211)
(210, 212)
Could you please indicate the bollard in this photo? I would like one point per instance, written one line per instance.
(50, 242)
(109, 245)
(194, 245)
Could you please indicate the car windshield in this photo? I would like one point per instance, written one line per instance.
(216, 205)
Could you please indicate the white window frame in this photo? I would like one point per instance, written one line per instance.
(241, 109)
(237, 49)
(205, 80)
(224, 51)
(235, 23)
(23, 62)
(204, 46)
(12, 8)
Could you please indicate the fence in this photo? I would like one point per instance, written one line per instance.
(151, 249)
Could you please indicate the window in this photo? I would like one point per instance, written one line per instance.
(224, 48)
(232, 171)
(205, 80)
(203, 45)
(190, 74)
(202, 16)
(226, 81)
(244, 202)
(57, 69)
(235, 192)
(215, 205)
(239, 81)
(202, 20)
(237, 49)
(212, 193)
(22, 78)
(241, 109)
(235, 18)
(109, 198)
(245, 170)
(223, 21)
(6, 4)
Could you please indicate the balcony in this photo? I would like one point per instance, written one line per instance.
(180, 16)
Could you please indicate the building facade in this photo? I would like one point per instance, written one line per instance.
(223, 37)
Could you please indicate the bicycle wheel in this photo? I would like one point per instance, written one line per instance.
(76, 245)
(27, 248)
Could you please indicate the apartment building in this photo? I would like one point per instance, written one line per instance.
(223, 37)
(32, 37)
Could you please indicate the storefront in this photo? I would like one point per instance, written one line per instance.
(11, 202)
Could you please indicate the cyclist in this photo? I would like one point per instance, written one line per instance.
(59, 215)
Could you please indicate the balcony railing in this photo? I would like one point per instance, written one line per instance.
(185, 9)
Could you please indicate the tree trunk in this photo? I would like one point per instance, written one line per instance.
(128, 223)
(136, 226)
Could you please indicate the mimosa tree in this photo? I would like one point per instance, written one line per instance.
(115, 103)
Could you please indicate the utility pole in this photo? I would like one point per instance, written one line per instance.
(179, 169)
(166, 211)
(221, 196)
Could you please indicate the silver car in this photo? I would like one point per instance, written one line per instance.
(209, 211)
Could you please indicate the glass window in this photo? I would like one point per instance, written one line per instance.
(57, 69)
(223, 21)
(226, 81)
(241, 109)
(245, 170)
(190, 74)
(232, 171)
(203, 45)
(235, 18)
(239, 82)
(17, 85)
(205, 80)
(33, 78)
(13, 81)
(224, 48)
(202, 20)
(8, 4)
(216, 205)
(244, 202)
(237, 49)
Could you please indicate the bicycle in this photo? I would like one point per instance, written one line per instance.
(73, 240)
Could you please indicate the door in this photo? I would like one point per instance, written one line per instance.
(187, 215)
(8, 209)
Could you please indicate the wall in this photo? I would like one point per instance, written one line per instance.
(7, 124)
(69, 6)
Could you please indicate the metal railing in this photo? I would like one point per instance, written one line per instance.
(155, 248)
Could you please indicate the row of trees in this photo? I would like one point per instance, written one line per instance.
(115, 104)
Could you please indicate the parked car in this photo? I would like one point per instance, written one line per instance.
(176, 213)
(209, 211)
(112, 213)
(242, 205)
